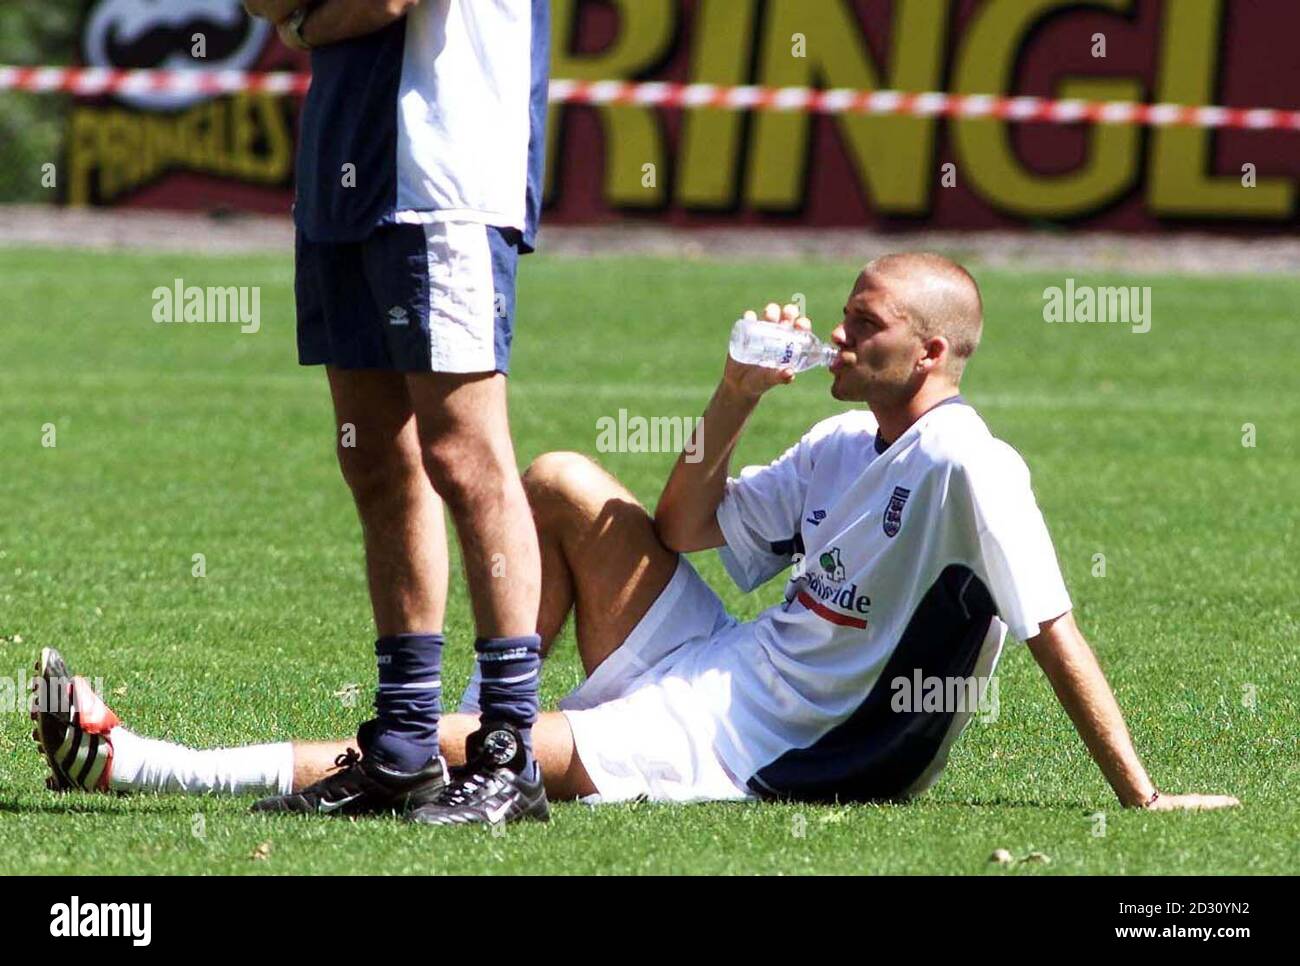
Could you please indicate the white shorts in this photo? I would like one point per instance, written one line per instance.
(643, 732)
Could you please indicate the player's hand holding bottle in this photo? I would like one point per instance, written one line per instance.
(769, 351)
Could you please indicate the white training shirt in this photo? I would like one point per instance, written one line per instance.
(463, 107)
(906, 556)
(439, 116)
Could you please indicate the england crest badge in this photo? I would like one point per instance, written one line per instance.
(893, 518)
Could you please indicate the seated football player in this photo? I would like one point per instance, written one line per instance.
(912, 545)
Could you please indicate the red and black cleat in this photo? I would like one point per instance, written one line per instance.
(72, 727)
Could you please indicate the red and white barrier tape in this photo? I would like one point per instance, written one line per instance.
(94, 81)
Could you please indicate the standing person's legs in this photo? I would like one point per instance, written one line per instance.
(360, 308)
(406, 557)
(402, 524)
(601, 560)
(464, 435)
(464, 442)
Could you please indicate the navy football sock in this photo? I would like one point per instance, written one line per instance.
(408, 702)
(510, 669)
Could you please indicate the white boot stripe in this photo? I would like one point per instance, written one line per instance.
(97, 769)
(74, 767)
(92, 759)
(68, 752)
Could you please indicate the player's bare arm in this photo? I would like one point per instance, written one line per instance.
(686, 515)
(335, 20)
(1081, 687)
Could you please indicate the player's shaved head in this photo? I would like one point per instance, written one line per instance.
(939, 298)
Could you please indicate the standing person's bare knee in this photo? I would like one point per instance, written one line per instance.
(375, 474)
(462, 469)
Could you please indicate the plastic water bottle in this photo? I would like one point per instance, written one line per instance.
(759, 343)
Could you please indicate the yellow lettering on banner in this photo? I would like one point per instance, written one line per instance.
(204, 137)
(983, 146)
(83, 154)
(1180, 157)
(884, 150)
(632, 135)
(723, 35)
(112, 150)
(167, 142)
(243, 134)
(113, 176)
(275, 163)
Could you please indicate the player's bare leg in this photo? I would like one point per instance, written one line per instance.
(601, 557)
(465, 441)
(451, 431)
(464, 436)
(401, 516)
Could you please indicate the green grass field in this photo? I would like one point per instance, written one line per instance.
(177, 440)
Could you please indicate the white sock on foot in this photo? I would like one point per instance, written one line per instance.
(148, 765)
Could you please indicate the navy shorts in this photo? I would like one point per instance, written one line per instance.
(438, 297)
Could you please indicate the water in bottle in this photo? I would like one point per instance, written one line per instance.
(759, 343)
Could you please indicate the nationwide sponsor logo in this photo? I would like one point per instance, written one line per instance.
(893, 519)
(832, 564)
(825, 595)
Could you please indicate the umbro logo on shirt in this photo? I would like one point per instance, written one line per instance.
(397, 316)
(817, 517)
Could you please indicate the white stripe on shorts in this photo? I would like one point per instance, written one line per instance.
(462, 297)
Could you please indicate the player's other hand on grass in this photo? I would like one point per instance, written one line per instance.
(752, 381)
(276, 11)
(1191, 803)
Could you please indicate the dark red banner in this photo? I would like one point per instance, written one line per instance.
(715, 166)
